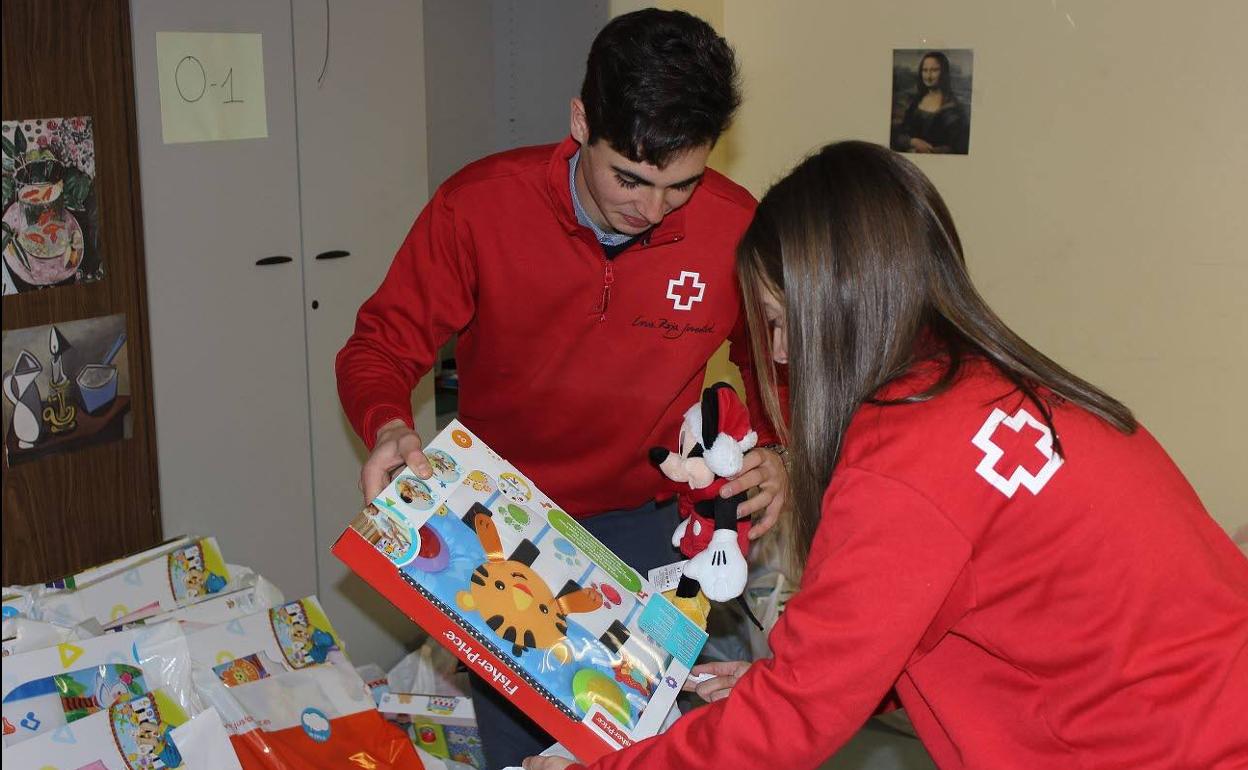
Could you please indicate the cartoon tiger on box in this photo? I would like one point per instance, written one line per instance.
(514, 600)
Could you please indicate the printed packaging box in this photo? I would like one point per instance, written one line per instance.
(524, 596)
(443, 725)
(189, 573)
(255, 595)
(290, 636)
(129, 561)
(20, 601)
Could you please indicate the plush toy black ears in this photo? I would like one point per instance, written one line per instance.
(710, 417)
(710, 413)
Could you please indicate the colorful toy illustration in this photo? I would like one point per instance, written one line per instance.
(514, 488)
(566, 552)
(515, 516)
(386, 531)
(47, 702)
(241, 671)
(445, 469)
(191, 574)
(434, 555)
(593, 688)
(627, 674)
(480, 482)
(513, 599)
(524, 580)
(610, 596)
(141, 731)
(302, 641)
(414, 492)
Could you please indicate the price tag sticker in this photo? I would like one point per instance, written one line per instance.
(666, 577)
(211, 86)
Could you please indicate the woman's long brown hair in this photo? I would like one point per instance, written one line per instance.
(861, 250)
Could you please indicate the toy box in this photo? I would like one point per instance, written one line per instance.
(290, 636)
(443, 725)
(189, 573)
(524, 596)
(107, 569)
(256, 594)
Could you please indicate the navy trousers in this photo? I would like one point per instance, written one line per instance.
(643, 539)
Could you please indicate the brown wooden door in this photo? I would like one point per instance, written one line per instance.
(67, 510)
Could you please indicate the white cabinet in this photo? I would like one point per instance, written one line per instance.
(363, 179)
(253, 446)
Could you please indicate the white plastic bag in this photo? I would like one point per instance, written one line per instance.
(429, 669)
(148, 731)
(46, 689)
(313, 717)
(22, 634)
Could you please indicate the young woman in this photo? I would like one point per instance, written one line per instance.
(989, 540)
(934, 120)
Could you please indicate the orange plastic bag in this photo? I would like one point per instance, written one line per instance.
(364, 740)
(317, 717)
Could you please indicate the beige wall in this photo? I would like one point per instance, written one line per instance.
(1103, 202)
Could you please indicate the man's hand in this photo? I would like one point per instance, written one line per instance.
(397, 445)
(762, 470)
(546, 763)
(724, 676)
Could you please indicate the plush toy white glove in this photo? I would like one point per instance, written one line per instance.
(721, 569)
(679, 534)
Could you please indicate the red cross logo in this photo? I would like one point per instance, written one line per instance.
(683, 294)
(1022, 466)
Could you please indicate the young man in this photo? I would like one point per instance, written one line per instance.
(589, 283)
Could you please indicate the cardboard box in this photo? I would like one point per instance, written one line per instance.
(443, 725)
(524, 596)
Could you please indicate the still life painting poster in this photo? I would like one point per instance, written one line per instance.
(50, 211)
(66, 386)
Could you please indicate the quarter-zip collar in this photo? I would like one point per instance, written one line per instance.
(670, 230)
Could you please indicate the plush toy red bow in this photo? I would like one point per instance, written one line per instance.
(714, 437)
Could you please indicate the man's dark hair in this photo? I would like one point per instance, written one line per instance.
(659, 83)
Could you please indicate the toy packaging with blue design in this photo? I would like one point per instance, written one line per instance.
(443, 725)
(524, 596)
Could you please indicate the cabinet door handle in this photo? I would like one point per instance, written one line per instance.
(335, 254)
(274, 260)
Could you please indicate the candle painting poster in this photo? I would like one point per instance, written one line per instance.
(51, 220)
(66, 386)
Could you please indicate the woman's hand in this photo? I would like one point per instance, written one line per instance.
(724, 678)
(546, 763)
(918, 145)
(763, 470)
